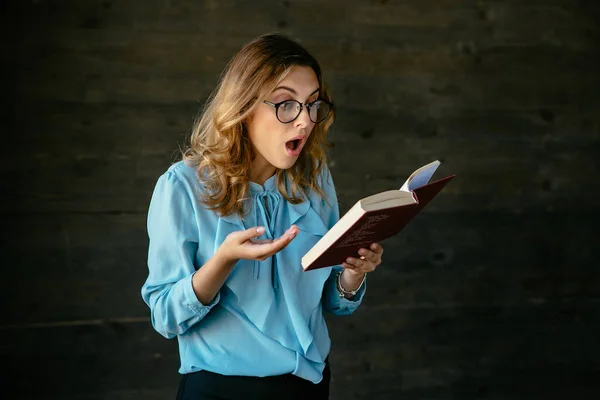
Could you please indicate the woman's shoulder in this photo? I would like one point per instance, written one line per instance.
(180, 169)
(180, 179)
(185, 173)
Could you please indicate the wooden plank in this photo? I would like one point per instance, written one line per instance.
(184, 15)
(89, 183)
(152, 128)
(92, 266)
(473, 90)
(492, 175)
(429, 353)
(86, 267)
(410, 28)
(111, 64)
(91, 54)
(508, 352)
(89, 361)
(477, 90)
(491, 293)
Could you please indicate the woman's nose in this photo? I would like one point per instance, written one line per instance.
(304, 117)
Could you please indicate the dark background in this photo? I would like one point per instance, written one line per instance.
(492, 293)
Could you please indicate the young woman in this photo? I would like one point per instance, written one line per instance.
(229, 224)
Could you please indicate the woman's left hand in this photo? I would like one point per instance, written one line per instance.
(360, 266)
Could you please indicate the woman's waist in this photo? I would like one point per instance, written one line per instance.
(227, 340)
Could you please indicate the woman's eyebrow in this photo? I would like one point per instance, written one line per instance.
(293, 91)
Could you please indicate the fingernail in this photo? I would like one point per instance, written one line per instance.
(260, 229)
(362, 252)
(350, 260)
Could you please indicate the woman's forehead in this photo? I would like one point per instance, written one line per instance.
(300, 80)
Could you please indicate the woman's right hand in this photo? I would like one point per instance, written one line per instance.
(243, 245)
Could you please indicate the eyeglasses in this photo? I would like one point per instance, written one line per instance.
(288, 110)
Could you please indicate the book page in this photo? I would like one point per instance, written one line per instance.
(420, 177)
(389, 198)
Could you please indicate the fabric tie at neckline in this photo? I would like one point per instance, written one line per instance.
(269, 185)
(267, 206)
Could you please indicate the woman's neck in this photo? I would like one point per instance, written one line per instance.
(260, 176)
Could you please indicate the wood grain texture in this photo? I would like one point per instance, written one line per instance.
(442, 353)
(491, 293)
(89, 266)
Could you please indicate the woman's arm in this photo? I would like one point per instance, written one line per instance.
(173, 242)
(178, 295)
(332, 302)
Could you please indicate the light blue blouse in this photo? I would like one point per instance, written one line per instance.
(267, 319)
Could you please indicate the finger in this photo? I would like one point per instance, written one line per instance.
(292, 229)
(353, 267)
(355, 262)
(348, 266)
(268, 249)
(354, 271)
(287, 237)
(251, 233)
(361, 265)
(284, 240)
(376, 247)
(368, 255)
(261, 241)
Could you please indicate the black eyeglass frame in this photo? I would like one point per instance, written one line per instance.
(308, 106)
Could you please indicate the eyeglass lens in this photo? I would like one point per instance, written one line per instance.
(289, 110)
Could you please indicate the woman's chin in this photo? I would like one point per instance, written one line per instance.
(287, 164)
(286, 161)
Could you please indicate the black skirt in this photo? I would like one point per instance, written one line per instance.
(205, 385)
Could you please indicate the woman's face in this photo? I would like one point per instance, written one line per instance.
(278, 145)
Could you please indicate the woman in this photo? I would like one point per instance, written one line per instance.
(229, 224)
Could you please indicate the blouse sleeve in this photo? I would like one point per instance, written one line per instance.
(330, 212)
(173, 242)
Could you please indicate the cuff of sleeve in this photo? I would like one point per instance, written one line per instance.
(192, 301)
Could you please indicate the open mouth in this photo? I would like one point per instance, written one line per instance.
(293, 144)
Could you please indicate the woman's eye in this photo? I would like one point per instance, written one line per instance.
(288, 106)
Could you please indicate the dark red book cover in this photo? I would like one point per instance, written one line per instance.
(375, 226)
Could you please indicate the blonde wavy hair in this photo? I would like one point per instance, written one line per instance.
(219, 145)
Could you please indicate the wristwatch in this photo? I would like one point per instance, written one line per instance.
(343, 292)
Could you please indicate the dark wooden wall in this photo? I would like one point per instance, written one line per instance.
(493, 293)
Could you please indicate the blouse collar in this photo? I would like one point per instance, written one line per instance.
(269, 186)
(296, 211)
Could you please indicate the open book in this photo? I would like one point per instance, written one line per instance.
(375, 218)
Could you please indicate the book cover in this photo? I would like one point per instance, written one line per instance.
(369, 227)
